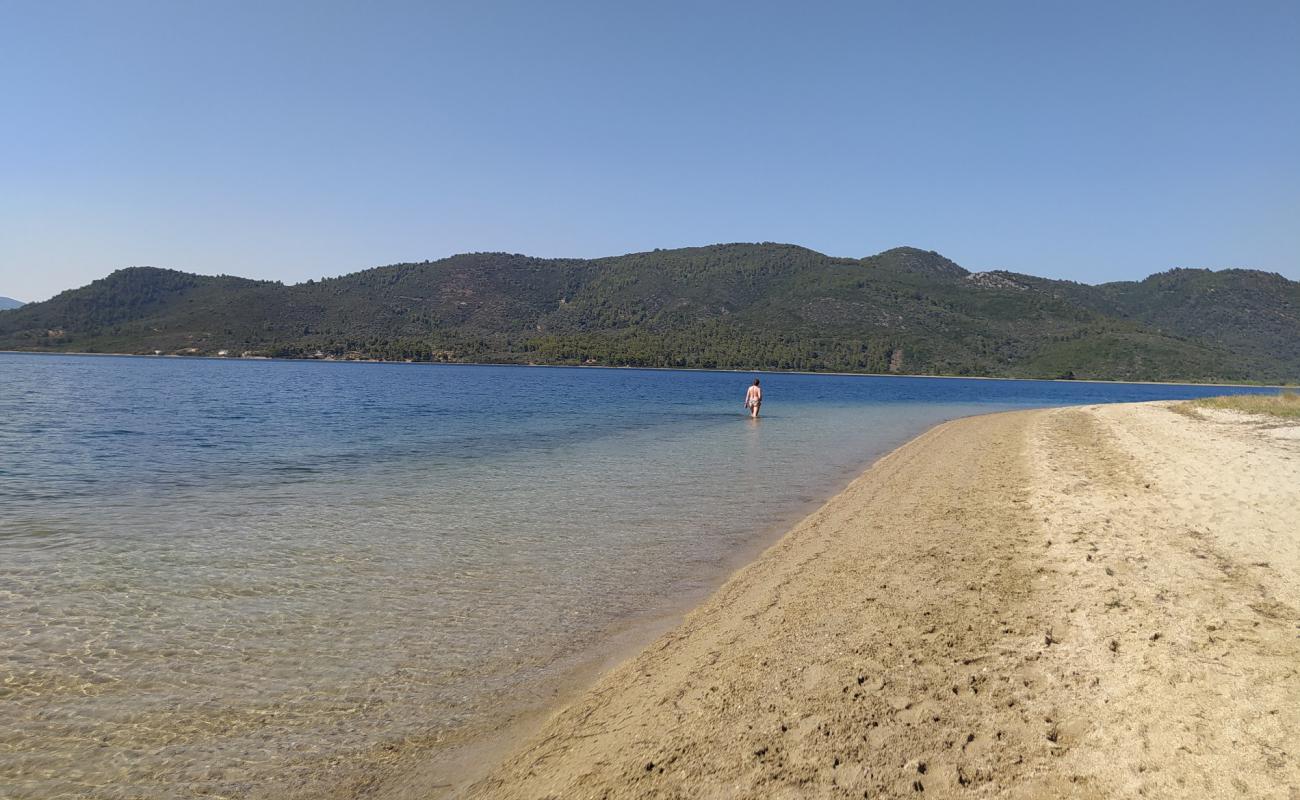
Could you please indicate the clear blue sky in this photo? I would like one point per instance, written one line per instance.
(1092, 141)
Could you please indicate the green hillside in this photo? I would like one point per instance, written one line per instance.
(768, 306)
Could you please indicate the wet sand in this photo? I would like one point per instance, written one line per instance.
(1089, 602)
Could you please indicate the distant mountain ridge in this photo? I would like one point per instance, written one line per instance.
(742, 306)
(7, 303)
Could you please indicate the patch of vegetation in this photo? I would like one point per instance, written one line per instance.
(1285, 404)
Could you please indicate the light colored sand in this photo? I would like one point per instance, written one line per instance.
(1093, 602)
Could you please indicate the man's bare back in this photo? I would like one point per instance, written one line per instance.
(754, 399)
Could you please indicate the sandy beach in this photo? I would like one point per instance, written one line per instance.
(1087, 602)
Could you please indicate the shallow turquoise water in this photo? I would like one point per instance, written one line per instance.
(214, 574)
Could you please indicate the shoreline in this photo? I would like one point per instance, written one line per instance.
(836, 662)
(448, 771)
(648, 369)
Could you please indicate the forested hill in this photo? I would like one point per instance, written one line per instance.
(751, 306)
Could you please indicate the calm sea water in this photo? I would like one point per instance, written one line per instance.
(216, 574)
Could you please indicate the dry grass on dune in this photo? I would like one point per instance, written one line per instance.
(1284, 404)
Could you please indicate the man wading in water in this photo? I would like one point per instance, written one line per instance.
(754, 399)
